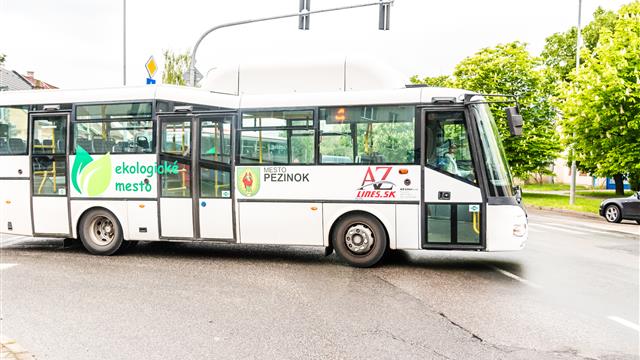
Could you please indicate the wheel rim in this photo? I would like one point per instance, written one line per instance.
(359, 239)
(102, 231)
(612, 213)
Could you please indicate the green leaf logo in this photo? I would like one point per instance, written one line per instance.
(82, 159)
(95, 177)
(88, 176)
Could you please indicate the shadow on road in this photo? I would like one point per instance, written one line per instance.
(432, 260)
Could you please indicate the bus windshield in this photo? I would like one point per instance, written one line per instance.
(498, 174)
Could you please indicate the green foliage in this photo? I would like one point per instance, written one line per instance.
(3, 57)
(602, 104)
(510, 69)
(549, 201)
(559, 54)
(435, 81)
(175, 65)
(551, 187)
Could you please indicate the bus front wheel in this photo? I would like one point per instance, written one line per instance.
(100, 232)
(360, 240)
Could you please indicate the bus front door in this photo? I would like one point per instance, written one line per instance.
(196, 196)
(49, 188)
(215, 186)
(453, 206)
(15, 172)
(176, 181)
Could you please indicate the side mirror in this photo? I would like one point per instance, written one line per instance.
(515, 121)
(518, 192)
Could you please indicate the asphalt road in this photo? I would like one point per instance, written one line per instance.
(572, 293)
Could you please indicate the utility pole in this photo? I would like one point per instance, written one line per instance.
(303, 25)
(124, 42)
(574, 168)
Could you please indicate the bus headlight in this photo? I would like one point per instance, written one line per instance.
(520, 229)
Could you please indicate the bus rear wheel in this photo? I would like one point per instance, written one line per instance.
(360, 240)
(100, 232)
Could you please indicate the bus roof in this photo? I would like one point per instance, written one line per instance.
(119, 94)
(410, 95)
(413, 95)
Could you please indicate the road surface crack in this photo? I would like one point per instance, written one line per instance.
(473, 335)
(408, 342)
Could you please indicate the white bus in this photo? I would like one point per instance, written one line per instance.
(355, 171)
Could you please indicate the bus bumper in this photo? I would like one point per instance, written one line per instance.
(507, 228)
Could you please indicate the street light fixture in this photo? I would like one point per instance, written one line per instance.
(303, 20)
(384, 15)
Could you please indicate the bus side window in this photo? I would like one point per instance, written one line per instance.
(277, 137)
(448, 146)
(13, 130)
(368, 135)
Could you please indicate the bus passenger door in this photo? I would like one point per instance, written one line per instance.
(453, 205)
(50, 195)
(215, 188)
(176, 177)
(15, 194)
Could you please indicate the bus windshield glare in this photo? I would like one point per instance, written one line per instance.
(498, 174)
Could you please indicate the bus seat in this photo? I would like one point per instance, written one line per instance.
(46, 146)
(374, 158)
(99, 145)
(143, 142)
(120, 147)
(17, 146)
(36, 147)
(85, 144)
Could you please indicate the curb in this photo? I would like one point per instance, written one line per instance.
(578, 214)
(564, 211)
(10, 349)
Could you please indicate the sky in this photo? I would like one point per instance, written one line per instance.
(79, 43)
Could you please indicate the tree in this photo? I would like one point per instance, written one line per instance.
(510, 69)
(559, 53)
(175, 65)
(435, 81)
(602, 104)
(3, 57)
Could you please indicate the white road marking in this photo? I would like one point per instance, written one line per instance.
(559, 229)
(6, 266)
(624, 322)
(516, 277)
(582, 228)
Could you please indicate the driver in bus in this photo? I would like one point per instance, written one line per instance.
(451, 165)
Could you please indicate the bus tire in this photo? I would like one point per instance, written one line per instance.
(360, 239)
(100, 232)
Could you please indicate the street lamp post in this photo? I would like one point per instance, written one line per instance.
(124, 42)
(384, 6)
(574, 168)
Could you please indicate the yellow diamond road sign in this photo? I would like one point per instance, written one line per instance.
(151, 66)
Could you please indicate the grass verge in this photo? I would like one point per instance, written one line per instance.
(604, 194)
(562, 202)
(551, 187)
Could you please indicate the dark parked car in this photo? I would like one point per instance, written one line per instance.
(614, 210)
